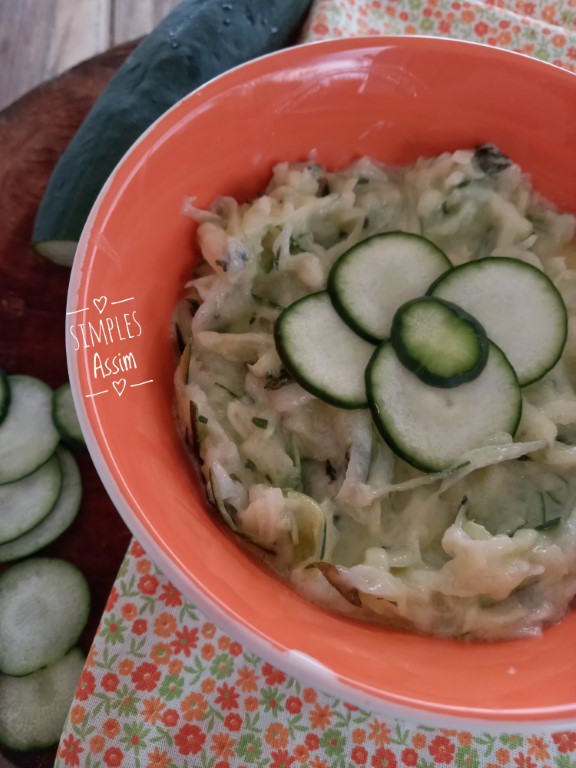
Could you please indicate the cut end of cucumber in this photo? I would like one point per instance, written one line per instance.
(59, 252)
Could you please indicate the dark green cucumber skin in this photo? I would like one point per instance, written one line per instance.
(424, 374)
(4, 395)
(197, 41)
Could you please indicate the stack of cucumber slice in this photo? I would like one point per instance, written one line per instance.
(39, 663)
(40, 495)
(438, 353)
(40, 485)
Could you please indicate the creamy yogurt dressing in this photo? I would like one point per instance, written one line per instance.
(485, 550)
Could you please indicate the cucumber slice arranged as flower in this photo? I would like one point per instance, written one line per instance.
(28, 436)
(26, 502)
(44, 606)
(370, 281)
(519, 307)
(33, 709)
(439, 342)
(431, 427)
(324, 355)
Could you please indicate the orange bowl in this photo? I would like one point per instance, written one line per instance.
(394, 99)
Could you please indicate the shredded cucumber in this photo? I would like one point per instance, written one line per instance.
(287, 336)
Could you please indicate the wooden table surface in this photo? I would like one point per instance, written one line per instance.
(41, 38)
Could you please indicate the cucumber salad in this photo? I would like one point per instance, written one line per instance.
(376, 381)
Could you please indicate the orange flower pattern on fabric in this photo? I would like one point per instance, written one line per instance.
(183, 694)
(545, 30)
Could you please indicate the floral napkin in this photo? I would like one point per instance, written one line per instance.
(545, 29)
(163, 687)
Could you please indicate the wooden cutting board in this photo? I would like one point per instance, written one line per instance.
(33, 133)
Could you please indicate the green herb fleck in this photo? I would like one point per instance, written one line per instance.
(548, 525)
(295, 247)
(260, 423)
(228, 391)
(330, 470)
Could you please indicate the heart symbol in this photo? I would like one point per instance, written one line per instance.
(100, 303)
(119, 386)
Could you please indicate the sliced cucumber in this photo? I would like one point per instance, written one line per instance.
(28, 436)
(4, 395)
(310, 522)
(321, 352)
(65, 417)
(44, 606)
(33, 709)
(439, 342)
(57, 521)
(24, 503)
(431, 428)
(519, 307)
(370, 281)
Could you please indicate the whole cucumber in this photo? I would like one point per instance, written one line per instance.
(197, 41)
